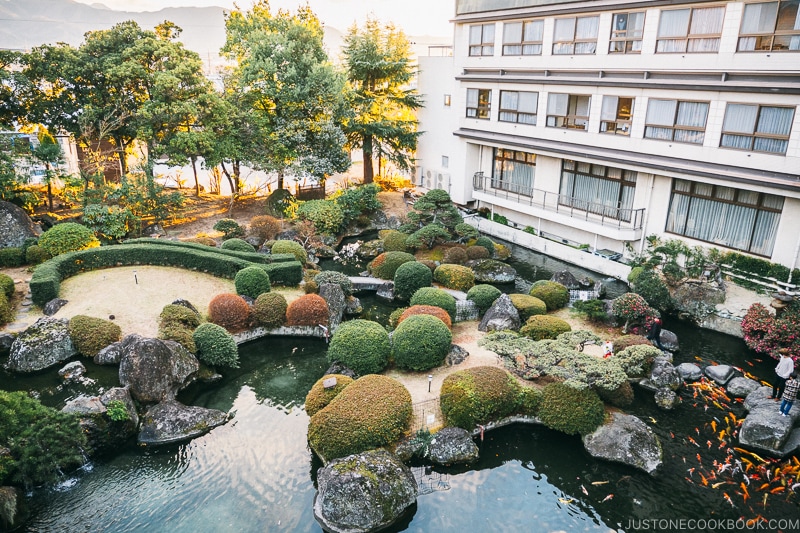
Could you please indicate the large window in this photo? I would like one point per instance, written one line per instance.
(616, 115)
(690, 30)
(514, 171)
(479, 103)
(576, 35)
(733, 218)
(568, 111)
(757, 128)
(770, 26)
(518, 106)
(523, 38)
(673, 120)
(598, 189)
(626, 33)
(481, 40)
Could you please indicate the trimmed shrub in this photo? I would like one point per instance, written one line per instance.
(264, 227)
(621, 397)
(290, 247)
(437, 297)
(626, 341)
(531, 399)
(385, 265)
(35, 254)
(238, 245)
(394, 316)
(430, 264)
(6, 312)
(501, 252)
(486, 243)
(653, 289)
(421, 342)
(637, 361)
(269, 310)
(541, 327)
(205, 241)
(465, 232)
(477, 252)
(571, 411)
(395, 241)
(479, 395)
(595, 310)
(326, 215)
(180, 315)
(251, 281)
(319, 397)
(12, 257)
(432, 310)
(528, 306)
(229, 311)
(89, 335)
(67, 237)
(311, 287)
(553, 294)
(631, 308)
(484, 296)
(229, 228)
(358, 202)
(215, 346)
(634, 274)
(178, 333)
(337, 278)
(455, 256)
(409, 278)
(6, 285)
(456, 277)
(361, 345)
(428, 237)
(308, 310)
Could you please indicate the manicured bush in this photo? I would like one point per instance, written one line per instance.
(326, 215)
(553, 294)
(238, 245)
(337, 278)
(430, 264)
(432, 310)
(542, 327)
(357, 202)
(6, 312)
(269, 310)
(421, 342)
(178, 333)
(385, 265)
(409, 278)
(484, 296)
(571, 411)
(6, 285)
(205, 241)
(465, 232)
(35, 254)
(251, 281)
(290, 247)
(428, 237)
(180, 315)
(456, 277)
(229, 228)
(626, 341)
(264, 227)
(631, 308)
(501, 252)
(634, 274)
(89, 335)
(528, 306)
(308, 310)
(581, 336)
(215, 346)
(479, 395)
(637, 361)
(319, 397)
(653, 289)
(478, 252)
(395, 241)
(437, 297)
(595, 310)
(229, 311)
(486, 243)
(12, 257)
(361, 345)
(67, 237)
(455, 256)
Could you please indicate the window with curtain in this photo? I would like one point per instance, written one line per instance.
(733, 218)
(481, 40)
(575, 35)
(518, 106)
(514, 171)
(757, 128)
(616, 115)
(770, 26)
(598, 189)
(523, 38)
(626, 33)
(479, 103)
(675, 120)
(694, 29)
(569, 111)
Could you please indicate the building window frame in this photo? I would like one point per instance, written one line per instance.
(523, 37)
(616, 115)
(479, 103)
(481, 40)
(678, 122)
(690, 30)
(567, 111)
(765, 29)
(576, 35)
(598, 189)
(519, 107)
(761, 129)
(513, 171)
(627, 29)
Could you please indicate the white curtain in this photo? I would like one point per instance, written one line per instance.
(534, 31)
(509, 103)
(740, 118)
(557, 104)
(759, 18)
(609, 109)
(660, 113)
(693, 115)
(707, 21)
(673, 27)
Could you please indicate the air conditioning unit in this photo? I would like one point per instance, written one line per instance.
(442, 181)
(428, 178)
(420, 177)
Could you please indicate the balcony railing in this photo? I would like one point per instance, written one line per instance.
(559, 203)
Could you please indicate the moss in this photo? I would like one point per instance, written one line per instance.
(89, 335)
(319, 397)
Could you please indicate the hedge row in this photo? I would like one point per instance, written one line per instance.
(253, 257)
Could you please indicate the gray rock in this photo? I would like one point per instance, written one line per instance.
(52, 307)
(154, 230)
(155, 370)
(334, 295)
(501, 315)
(363, 492)
(12, 504)
(689, 371)
(104, 433)
(697, 300)
(72, 371)
(84, 405)
(121, 394)
(386, 291)
(110, 355)
(371, 248)
(456, 356)
(15, 225)
(492, 271)
(667, 399)
(740, 387)
(338, 368)
(668, 340)
(664, 375)
(187, 304)
(254, 241)
(721, 374)
(759, 398)
(44, 344)
(171, 421)
(352, 306)
(6, 340)
(567, 279)
(765, 429)
(452, 445)
(628, 440)
(647, 385)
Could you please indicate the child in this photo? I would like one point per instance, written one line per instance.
(789, 394)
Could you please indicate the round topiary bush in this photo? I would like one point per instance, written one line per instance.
(229, 228)
(553, 294)
(571, 411)
(637, 361)
(634, 274)
(432, 310)
(6, 285)
(361, 345)
(479, 395)
(89, 335)
(229, 311)
(215, 346)
(437, 297)
(385, 265)
(541, 327)
(269, 310)
(180, 315)
(477, 252)
(395, 241)
(455, 256)
(484, 296)
(528, 306)
(308, 310)
(251, 281)
(6, 312)
(456, 277)
(178, 333)
(35, 254)
(319, 397)
(67, 237)
(290, 247)
(337, 278)
(409, 278)
(264, 227)
(486, 243)
(421, 342)
(237, 245)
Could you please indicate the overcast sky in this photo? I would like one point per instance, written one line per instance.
(415, 17)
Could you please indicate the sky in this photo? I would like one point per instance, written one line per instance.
(414, 17)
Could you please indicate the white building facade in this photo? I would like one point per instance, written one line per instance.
(597, 123)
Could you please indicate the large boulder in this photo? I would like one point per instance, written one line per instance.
(15, 225)
(44, 344)
(363, 492)
(668, 340)
(766, 430)
(492, 271)
(53, 306)
(697, 300)
(740, 387)
(334, 296)
(625, 439)
(689, 371)
(6, 340)
(501, 315)
(567, 279)
(664, 375)
(171, 421)
(110, 355)
(452, 445)
(759, 398)
(155, 370)
(106, 430)
(721, 374)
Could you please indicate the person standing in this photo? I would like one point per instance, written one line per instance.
(789, 394)
(784, 369)
(655, 333)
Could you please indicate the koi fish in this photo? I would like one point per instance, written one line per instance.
(691, 471)
(671, 435)
(693, 441)
(764, 501)
(728, 499)
(713, 426)
(599, 482)
(708, 442)
(699, 460)
(697, 431)
(776, 490)
(717, 484)
(607, 498)
(566, 501)
(583, 489)
(703, 480)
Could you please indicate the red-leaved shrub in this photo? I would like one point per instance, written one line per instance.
(229, 311)
(438, 312)
(308, 310)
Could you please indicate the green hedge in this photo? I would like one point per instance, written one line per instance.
(89, 335)
(12, 257)
(409, 278)
(361, 345)
(481, 395)
(67, 237)
(253, 257)
(570, 410)
(540, 327)
(484, 296)
(238, 245)
(528, 306)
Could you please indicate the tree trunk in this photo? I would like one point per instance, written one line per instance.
(280, 179)
(123, 164)
(196, 183)
(48, 173)
(232, 186)
(366, 150)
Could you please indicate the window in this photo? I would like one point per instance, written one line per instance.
(514, 171)
(523, 38)
(757, 128)
(568, 111)
(575, 36)
(518, 106)
(690, 30)
(734, 218)
(770, 26)
(479, 103)
(481, 40)
(598, 189)
(626, 33)
(671, 120)
(445, 161)
(616, 115)
(447, 100)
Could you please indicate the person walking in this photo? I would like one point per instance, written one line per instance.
(789, 394)
(655, 333)
(784, 369)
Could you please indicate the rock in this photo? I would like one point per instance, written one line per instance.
(84, 405)
(154, 230)
(171, 421)
(12, 504)
(766, 430)
(363, 492)
(647, 385)
(386, 291)
(721, 374)
(758, 398)
(110, 355)
(566, 278)
(334, 295)
(155, 370)
(52, 307)
(352, 306)
(42, 345)
(456, 356)
(6, 340)
(740, 387)
(72, 371)
(254, 241)
(121, 394)
(697, 300)
(371, 249)
(338, 368)
(15, 226)
(286, 235)
(667, 399)
(501, 315)
(187, 304)
(104, 432)
(452, 445)
(325, 251)
(628, 440)
(668, 340)
(664, 375)
(689, 371)
(492, 271)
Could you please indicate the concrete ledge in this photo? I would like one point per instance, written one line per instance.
(284, 331)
